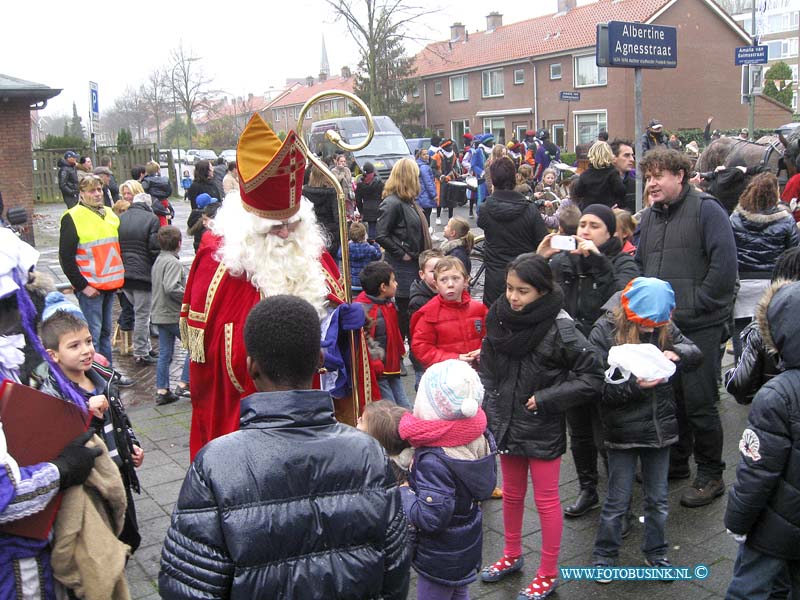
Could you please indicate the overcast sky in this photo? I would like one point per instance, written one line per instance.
(246, 47)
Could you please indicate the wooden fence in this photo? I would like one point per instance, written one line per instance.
(45, 166)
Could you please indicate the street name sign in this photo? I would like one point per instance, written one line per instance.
(751, 55)
(569, 96)
(636, 45)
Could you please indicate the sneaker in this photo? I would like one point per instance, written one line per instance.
(540, 587)
(504, 566)
(662, 563)
(144, 361)
(182, 391)
(603, 580)
(153, 354)
(124, 380)
(438, 220)
(703, 491)
(168, 398)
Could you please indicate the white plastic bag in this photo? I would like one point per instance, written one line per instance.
(644, 361)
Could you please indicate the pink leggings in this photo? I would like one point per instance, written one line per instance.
(544, 474)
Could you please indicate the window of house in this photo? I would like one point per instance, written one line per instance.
(588, 124)
(519, 76)
(497, 127)
(492, 83)
(458, 128)
(437, 88)
(415, 92)
(587, 73)
(557, 135)
(520, 129)
(555, 71)
(275, 115)
(458, 88)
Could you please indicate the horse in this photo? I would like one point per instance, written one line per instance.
(767, 153)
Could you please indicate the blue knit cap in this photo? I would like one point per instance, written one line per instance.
(648, 301)
(56, 301)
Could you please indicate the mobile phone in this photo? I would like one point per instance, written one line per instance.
(563, 242)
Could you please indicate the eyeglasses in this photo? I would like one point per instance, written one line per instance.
(290, 226)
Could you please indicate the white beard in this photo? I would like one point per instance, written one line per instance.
(272, 264)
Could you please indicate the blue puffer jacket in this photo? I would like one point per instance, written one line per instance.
(762, 237)
(427, 187)
(763, 501)
(441, 501)
(293, 505)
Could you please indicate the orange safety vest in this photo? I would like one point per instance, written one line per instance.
(98, 257)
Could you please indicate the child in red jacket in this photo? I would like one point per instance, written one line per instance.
(452, 324)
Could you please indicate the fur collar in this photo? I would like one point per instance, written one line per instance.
(450, 245)
(775, 214)
(761, 314)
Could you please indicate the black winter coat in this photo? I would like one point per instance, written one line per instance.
(138, 241)
(368, 197)
(756, 366)
(599, 186)
(763, 502)
(588, 282)
(762, 237)
(157, 186)
(633, 417)
(202, 187)
(562, 372)
(292, 505)
(68, 182)
(511, 226)
(326, 210)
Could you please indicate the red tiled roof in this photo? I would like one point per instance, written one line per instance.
(301, 94)
(538, 36)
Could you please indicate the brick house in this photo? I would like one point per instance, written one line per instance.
(507, 78)
(17, 99)
(282, 113)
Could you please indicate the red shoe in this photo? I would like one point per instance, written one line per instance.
(540, 587)
(504, 566)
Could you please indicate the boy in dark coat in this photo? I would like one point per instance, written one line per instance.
(762, 503)
(330, 514)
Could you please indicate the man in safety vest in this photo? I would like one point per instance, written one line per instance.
(90, 257)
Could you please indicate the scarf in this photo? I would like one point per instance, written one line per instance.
(100, 210)
(611, 248)
(517, 333)
(440, 433)
(394, 350)
(427, 243)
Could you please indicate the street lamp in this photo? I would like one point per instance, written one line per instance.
(175, 110)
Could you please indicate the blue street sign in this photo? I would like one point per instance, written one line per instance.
(569, 96)
(751, 55)
(94, 101)
(638, 45)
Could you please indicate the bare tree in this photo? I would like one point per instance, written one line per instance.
(188, 83)
(156, 97)
(129, 111)
(379, 28)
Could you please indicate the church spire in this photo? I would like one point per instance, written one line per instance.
(324, 67)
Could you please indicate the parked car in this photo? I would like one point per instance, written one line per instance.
(415, 144)
(194, 155)
(228, 155)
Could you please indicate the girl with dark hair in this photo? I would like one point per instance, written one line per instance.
(203, 183)
(762, 231)
(511, 226)
(321, 193)
(535, 364)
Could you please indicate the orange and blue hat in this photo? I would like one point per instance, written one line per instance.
(648, 301)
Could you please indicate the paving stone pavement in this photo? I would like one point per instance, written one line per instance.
(696, 536)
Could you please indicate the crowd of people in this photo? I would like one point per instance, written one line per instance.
(597, 324)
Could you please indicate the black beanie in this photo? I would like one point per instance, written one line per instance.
(436, 140)
(605, 214)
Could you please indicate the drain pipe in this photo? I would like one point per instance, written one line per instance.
(535, 96)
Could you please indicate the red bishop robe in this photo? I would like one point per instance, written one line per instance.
(215, 307)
